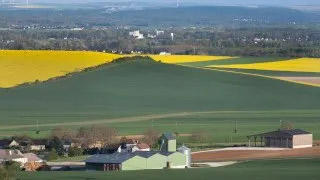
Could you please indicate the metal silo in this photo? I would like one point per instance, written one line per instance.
(187, 152)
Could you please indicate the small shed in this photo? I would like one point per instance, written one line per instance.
(295, 138)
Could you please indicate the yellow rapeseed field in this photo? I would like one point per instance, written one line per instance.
(176, 59)
(294, 65)
(17, 67)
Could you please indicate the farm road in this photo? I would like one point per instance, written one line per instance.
(123, 119)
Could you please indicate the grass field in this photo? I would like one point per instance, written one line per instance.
(18, 67)
(258, 170)
(293, 65)
(122, 94)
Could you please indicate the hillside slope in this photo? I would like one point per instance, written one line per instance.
(141, 87)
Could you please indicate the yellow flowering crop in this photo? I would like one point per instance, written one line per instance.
(294, 65)
(176, 59)
(17, 67)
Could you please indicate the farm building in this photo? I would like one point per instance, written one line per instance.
(168, 157)
(136, 161)
(295, 138)
(7, 143)
(169, 142)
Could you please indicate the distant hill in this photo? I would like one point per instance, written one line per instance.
(216, 15)
(140, 87)
(230, 16)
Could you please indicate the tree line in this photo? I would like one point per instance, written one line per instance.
(284, 42)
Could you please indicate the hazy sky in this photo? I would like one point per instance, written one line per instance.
(213, 2)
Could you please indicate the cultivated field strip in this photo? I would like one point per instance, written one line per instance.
(18, 67)
(293, 65)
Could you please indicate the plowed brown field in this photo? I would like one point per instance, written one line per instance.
(233, 155)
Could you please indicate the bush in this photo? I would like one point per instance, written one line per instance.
(75, 152)
(53, 155)
(9, 171)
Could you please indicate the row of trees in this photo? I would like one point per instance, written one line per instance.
(237, 42)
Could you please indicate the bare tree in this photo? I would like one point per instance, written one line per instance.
(97, 136)
(63, 133)
(286, 126)
(151, 136)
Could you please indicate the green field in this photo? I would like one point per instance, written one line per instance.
(257, 170)
(176, 98)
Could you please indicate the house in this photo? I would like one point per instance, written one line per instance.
(136, 34)
(295, 138)
(127, 145)
(141, 147)
(158, 33)
(8, 143)
(32, 158)
(168, 157)
(12, 155)
(164, 54)
(38, 145)
(33, 162)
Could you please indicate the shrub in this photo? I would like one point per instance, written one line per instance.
(9, 171)
(53, 155)
(73, 151)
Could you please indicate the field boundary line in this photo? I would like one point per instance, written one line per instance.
(242, 149)
(136, 118)
(252, 74)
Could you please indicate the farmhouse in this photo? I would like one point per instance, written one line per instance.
(141, 147)
(12, 155)
(168, 157)
(7, 143)
(295, 138)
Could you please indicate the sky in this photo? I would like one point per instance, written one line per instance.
(204, 2)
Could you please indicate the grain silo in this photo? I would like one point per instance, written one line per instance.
(187, 152)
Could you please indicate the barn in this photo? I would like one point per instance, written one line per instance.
(167, 157)
(138, 160)
(295, 138)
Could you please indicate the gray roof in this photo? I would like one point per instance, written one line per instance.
(9, 155)
(183, 147)
(115, 158)
(169, 136)
(283, 133)
(118, 158)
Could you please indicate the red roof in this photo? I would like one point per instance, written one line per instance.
(143, 146)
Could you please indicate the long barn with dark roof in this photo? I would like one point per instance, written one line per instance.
(295, 138)
(167, 157)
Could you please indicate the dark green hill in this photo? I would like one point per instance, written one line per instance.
(141, 87)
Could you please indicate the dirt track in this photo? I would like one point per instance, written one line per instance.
(232, 155)
(123, 119)
(311, 80)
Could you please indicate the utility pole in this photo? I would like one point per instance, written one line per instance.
(235, 127)
(37, 127)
